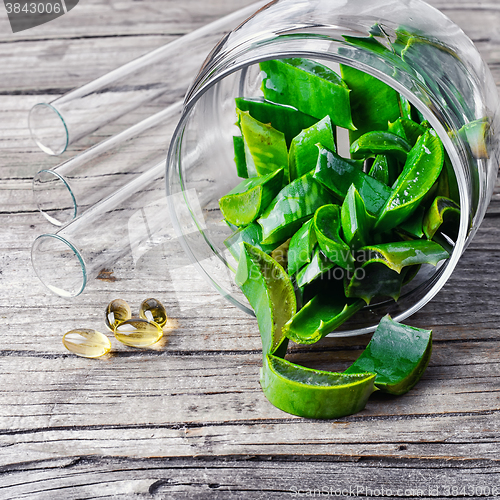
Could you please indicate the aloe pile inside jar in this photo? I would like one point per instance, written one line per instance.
(352, 228)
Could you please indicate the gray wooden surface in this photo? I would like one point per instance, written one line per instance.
(187, 418)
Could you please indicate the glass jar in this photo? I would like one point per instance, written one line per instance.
(440, 73)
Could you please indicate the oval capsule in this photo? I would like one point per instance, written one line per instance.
(117, 312)
(86, 343)
(138, 332)
(153, 310)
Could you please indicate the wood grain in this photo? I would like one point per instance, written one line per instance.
(187, 418)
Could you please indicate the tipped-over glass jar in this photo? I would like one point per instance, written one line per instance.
(406, 44)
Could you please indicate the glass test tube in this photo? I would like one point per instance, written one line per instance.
(133, 220)
(67, 190)
(162, 72)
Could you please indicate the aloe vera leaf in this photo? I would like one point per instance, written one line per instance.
(327, 226)
(413, 226)
(356, 221)
(407, 129)
(294, 205)
(320, 316)
(421, 170)
(239, 157)
(301, 247)
(374, 279)
(405, 253)
(251, 234)
(309, 86)
(312, 393)
(376, 142)
(270, 292)
(245, 202)
(447, 181)
(319, 265)
(476, 136)
(385, 169)
(444, 215)
(398, 354)
(303, 154)
(337, 174)
(373, 103)
(266, 146)
(284, 118)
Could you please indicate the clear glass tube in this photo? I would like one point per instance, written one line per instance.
(67, 190)
(133, 220)
(163, 72)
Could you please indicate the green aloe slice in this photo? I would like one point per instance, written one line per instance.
(251, 234)
(270, 292)
(374, 279)
(301, 247)
(324, 313)
(398, 354)
(337, 174)
(405, 253)
(239, 156)
(314, 393)
(327, 226)
(309, 86)
(421, 170)
(443, 214)
(294, 204)
(265, 147)
(303, 154)
(376, 142)
(244, 203)
(476, 134)
(373, 103)
(407, 129)
(414, 225)
(319, 264)
(383, 170)
(356, 221)
(284, 118)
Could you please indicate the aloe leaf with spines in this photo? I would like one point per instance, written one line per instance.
(301, 247)
(377, 142)
(356, 221)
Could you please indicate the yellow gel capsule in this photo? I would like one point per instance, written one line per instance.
(138, 332)
(117, 312)
(153, 310)
(86, 343)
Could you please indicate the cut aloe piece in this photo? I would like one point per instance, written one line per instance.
(376, 143)
(314, 393)
(239, 157)
(337, 174)
(244, 203)
(294, 205)
(309, 86)
(447, 185)
(413, 226)
(319, 264)
(444, 215)
(323, 314)
(476, 135)
(303, 154)
(405, 253)
(270, 292)
(251, 234)
(286, 119)
(408, 130)
(301, 247)
(382, 170)
(356, 221)
(327, 226)
(398, 354)
(373, 103)
(374, 279)
(421, 170)
(265, 147)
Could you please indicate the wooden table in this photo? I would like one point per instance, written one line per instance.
(187, 418)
